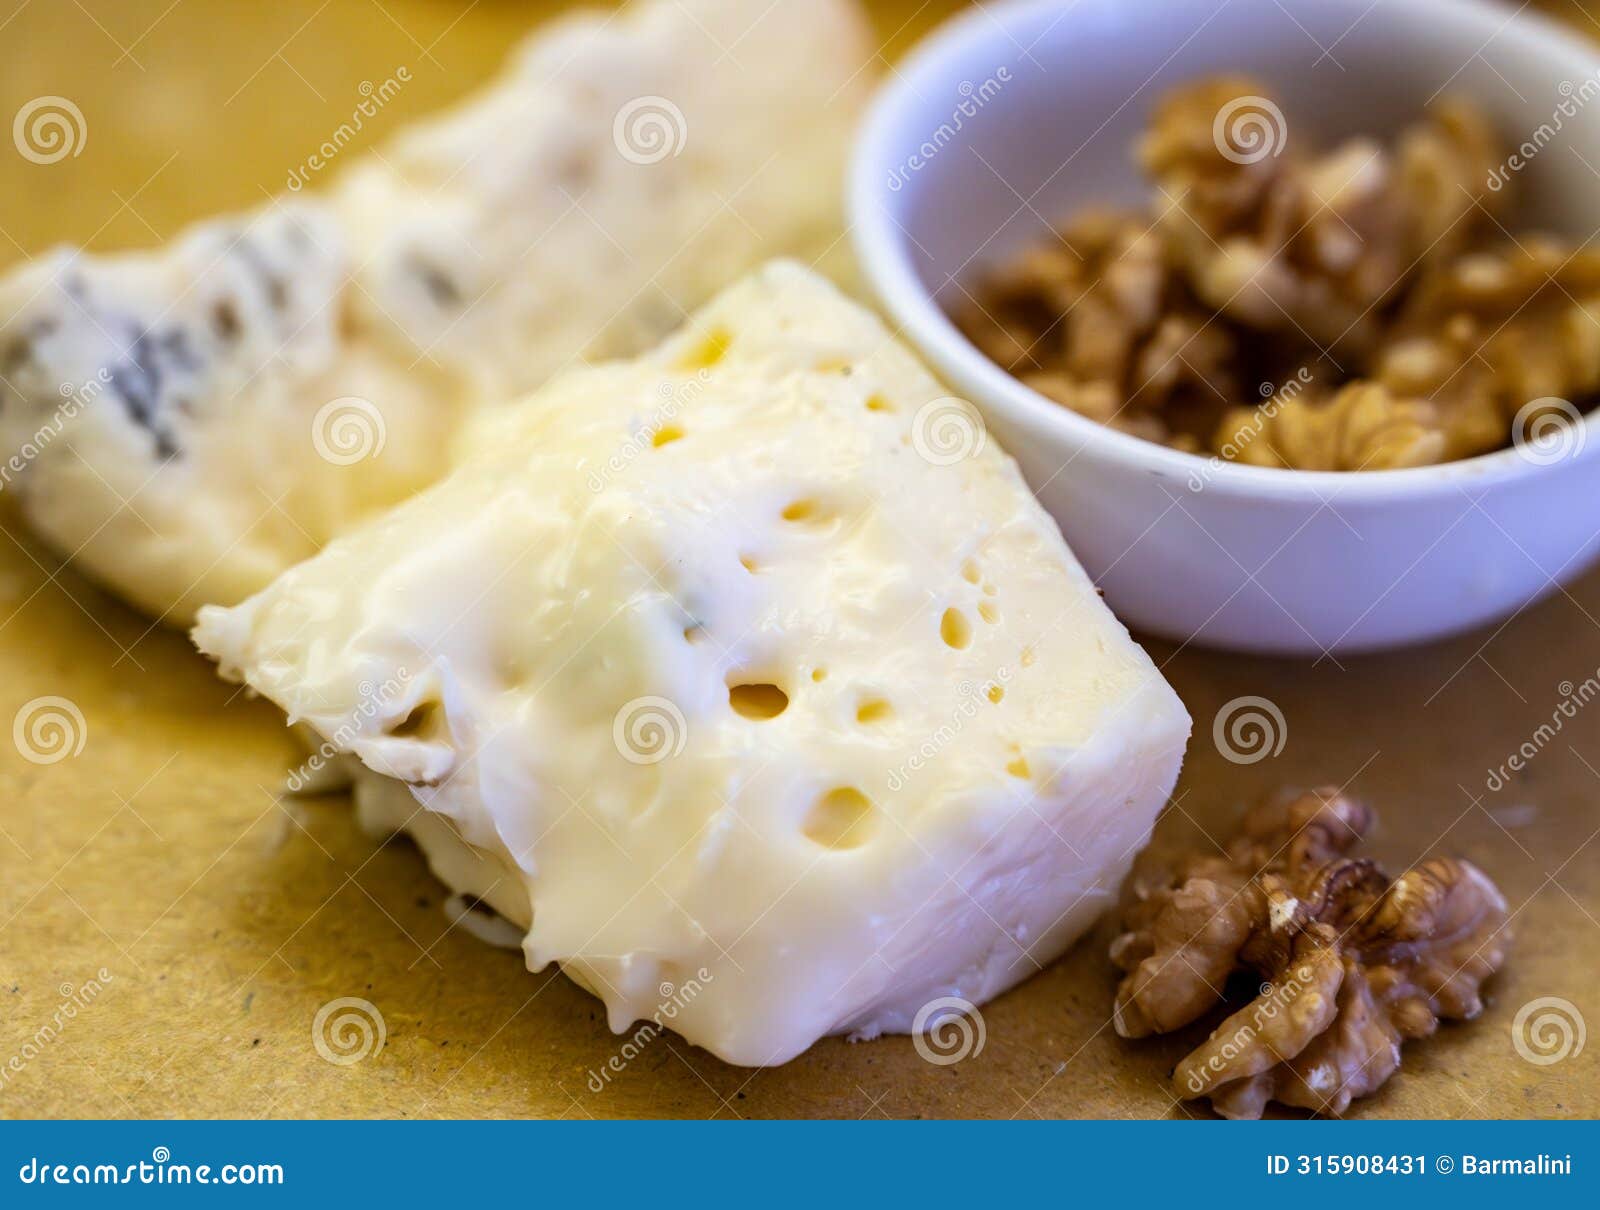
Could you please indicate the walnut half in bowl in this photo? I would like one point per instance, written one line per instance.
(1351, 962)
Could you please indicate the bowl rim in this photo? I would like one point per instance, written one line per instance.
(881, 247)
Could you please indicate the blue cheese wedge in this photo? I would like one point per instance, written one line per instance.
(750, 664)
(189, 422)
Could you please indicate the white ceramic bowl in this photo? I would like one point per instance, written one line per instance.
(1023, 111)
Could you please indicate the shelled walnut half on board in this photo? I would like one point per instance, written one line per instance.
(1352, 964)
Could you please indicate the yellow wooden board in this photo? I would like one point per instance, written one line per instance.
(169, 929)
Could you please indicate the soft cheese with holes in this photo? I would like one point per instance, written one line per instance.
(749, 662)
(188, 422)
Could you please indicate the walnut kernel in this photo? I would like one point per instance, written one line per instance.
(1353, 963)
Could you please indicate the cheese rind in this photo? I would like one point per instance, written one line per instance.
(189, 422)
(719, 670)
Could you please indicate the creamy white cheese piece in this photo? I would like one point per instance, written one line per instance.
(187, 423)
(749, 666)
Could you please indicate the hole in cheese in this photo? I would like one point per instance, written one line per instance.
(994, 693)
(819, 674)
(841, 819)
(954, 629)
(694, 634)
(666, 435)
(1019, 767)
(818, 516)
(748, 562)
(874, 710)
(989, 611)
(758, 701)
(879, 403)
(805, 511)
(425, 719)
(708, 350)
(969, 572)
